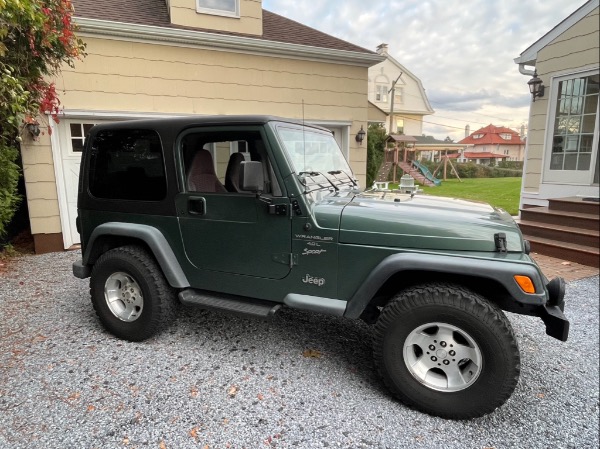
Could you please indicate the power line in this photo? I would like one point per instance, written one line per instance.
(446, 126)
(433, 102)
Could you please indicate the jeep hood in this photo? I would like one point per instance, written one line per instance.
(424, 222)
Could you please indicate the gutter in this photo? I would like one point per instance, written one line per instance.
(524, 71)
(223, 42)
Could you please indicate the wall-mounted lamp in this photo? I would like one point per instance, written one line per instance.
(536, 87)
(360, 136)
(33, 129)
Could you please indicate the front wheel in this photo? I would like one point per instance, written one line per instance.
(446, 351)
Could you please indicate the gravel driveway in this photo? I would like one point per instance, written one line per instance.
(295, 381)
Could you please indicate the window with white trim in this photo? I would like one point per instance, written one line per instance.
(575, 123)
(477, 136)
(78, 131)
(506, 136)
(381, 93)
(398, 95)
(399, 126)
(219, 7)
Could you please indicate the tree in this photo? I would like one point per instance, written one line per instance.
(36, 38)
(375, 147)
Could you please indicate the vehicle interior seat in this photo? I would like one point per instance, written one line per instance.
(232, 175)
(201, 175)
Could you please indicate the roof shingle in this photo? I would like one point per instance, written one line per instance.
(154, 12)
(490, 135)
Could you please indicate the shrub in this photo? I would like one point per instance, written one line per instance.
(36, 38)
(375, 146)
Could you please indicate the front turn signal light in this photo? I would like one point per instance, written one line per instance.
(525, 283)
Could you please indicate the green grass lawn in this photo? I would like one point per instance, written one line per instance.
(499, 192)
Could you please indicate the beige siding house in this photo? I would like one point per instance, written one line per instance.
(410, 103)
(562, 144)
(152, 58)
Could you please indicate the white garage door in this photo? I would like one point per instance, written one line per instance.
(69, 140)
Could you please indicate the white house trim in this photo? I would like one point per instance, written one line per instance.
(61, 188)
(418, 80)
(221, 42)
(551, 117)
(117, 115)
(529, 56)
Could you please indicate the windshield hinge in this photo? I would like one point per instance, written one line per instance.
(278, 209)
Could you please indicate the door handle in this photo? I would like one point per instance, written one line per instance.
(197, 205)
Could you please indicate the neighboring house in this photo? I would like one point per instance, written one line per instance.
(562, 143)
(560, 214)
(410, 102)
(492, 144)
(157, 58)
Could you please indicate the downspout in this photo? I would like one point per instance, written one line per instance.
(524, 71)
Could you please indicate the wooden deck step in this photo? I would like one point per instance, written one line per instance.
(567, 251)
(575, 204)
(561, 218)
(569, 229)
(585, 237)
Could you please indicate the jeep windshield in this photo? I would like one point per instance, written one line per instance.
(316, 158)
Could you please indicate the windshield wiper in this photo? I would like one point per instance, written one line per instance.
(312, 175)
(342, 180)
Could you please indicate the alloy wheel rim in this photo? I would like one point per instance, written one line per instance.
(123, 296)
(442, 357)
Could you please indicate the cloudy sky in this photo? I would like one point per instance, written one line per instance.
(462, 50)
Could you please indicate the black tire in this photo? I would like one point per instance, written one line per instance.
(150, 303)
(410, 332)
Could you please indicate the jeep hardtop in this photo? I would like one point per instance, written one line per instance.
(249, 214)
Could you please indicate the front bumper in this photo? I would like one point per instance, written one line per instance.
(551, 313)
(557, 325)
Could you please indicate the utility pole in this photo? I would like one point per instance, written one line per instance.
(393, 92)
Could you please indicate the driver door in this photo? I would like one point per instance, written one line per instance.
(223, 228)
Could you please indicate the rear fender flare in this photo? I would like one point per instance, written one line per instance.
(155, 240)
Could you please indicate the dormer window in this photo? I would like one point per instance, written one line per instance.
(506, 136)
(477, 136)
(230, 8)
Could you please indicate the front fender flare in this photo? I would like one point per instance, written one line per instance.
(498, 270)
(155, 240)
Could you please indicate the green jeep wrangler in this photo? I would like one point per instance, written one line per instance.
(249, 214)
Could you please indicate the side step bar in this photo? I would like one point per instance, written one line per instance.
(238, 305)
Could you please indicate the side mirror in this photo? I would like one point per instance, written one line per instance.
(252, 177)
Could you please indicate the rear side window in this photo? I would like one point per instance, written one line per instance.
(127, 164)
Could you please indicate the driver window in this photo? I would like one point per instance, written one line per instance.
(212, 161)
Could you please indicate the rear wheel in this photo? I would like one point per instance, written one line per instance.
(130, 294)
(446, 351)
